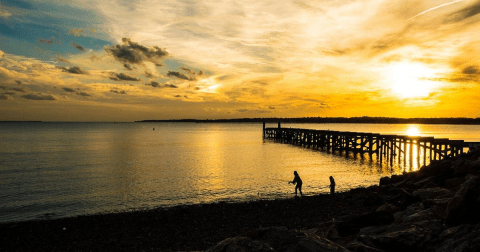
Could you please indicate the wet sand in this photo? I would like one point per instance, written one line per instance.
(181, 228)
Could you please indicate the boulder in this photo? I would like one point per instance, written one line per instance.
(463, 207)
(435, 226)
(357, 246)
(459, 239)
(403, 238)
(402, 198)
(309, 242)
(278, 239)
(454, 182)
(327, 230)
(353, 225)
(464, 166)
(372, 199)
(388, 208)
(385, 181)
(412, 209)
(432, 193)
(240, 244)
(425, 215)
(422, 183)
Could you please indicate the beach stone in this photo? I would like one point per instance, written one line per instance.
(240, 244)
(432, 193)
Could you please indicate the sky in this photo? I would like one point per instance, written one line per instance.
(210, 59)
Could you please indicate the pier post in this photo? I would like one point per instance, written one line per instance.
(410, 153)
(263, 135)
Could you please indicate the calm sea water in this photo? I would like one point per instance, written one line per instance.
(54, 170)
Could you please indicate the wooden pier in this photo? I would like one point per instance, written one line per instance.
(387, 148)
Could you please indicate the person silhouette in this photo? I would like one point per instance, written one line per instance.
(332, 185)
(298, 181)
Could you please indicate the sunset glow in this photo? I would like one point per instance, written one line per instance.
(410, 80)
(138, 60)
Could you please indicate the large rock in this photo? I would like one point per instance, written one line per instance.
(454, 182)
(424, 182)
(412, 209)
(432, 193)
(401, 198)
(357, 246)
(353, 225)
(389, 208)
(463, 167)
(464, 206)
(240, 244)
(425, 215)
(404, 238)
(385, 181)
(278, 239)
(328, 230)
(438, 206)
(307, 242)
(459, 239)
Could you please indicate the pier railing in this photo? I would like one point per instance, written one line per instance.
(389, 148)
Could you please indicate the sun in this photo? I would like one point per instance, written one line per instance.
(410, 80)
(413, 130)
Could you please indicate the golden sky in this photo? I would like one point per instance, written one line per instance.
(137, 60)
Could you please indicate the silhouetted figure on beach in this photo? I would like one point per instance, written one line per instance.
(332, 185)
(298, 181)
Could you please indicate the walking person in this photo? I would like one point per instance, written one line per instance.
(332, 185)
(298, 181)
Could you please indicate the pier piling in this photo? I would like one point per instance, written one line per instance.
(386, 147)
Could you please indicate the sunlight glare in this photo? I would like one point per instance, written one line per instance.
(413, 130)
(410, 80)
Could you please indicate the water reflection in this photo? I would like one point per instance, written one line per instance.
(70, 169)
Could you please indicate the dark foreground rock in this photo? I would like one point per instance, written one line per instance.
(434, 209)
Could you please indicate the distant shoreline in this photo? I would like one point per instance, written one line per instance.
(357, 120)
(365, 120)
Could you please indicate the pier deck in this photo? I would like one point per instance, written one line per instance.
(389, 148)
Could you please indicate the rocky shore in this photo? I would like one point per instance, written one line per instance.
(434, 209)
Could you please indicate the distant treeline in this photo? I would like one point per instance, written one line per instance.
(384, 120)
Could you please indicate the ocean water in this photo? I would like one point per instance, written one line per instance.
(55, 170)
